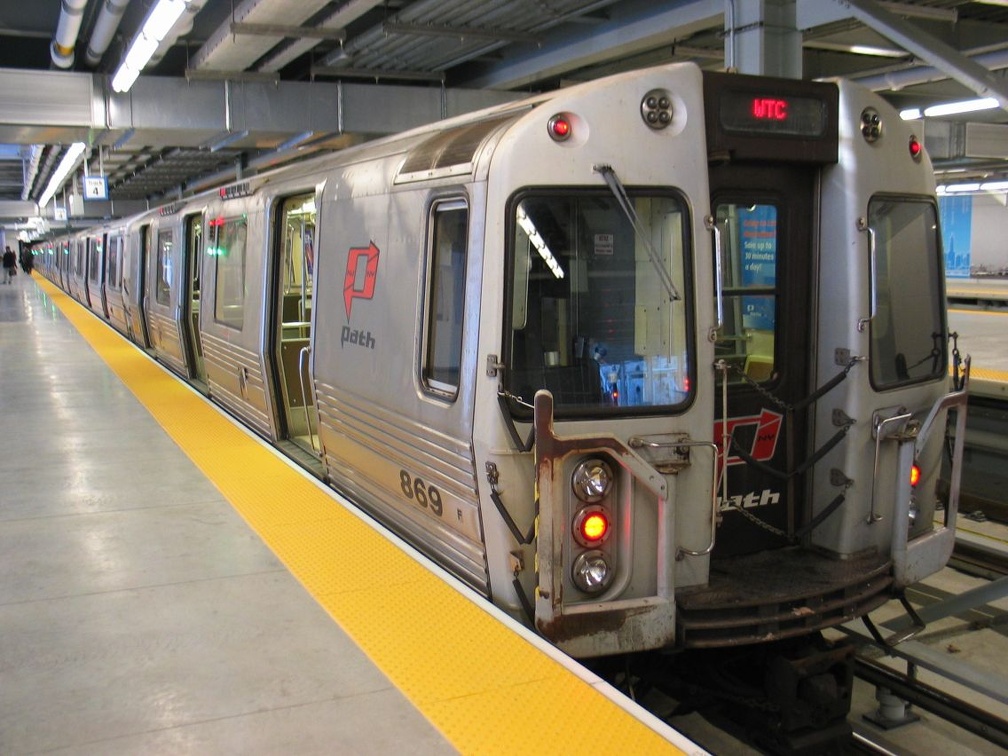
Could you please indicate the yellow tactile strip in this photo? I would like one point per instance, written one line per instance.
(485, 688)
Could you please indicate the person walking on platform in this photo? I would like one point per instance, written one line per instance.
(27, 260)
(9, 265)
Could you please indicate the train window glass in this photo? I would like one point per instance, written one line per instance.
(227, 246)
(908, 326)
(112, 253)
(749, 234)
(590, 319)
(94, 262)
(446, 296)
(298, 228)
(165, 244)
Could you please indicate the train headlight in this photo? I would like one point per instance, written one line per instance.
(591, 526)
(591, 572)
(656, 108)
(871, 125)
(591, 480)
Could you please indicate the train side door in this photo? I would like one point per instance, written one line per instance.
(189, 306)
(134, 283)
(764, 216)
(292, 263)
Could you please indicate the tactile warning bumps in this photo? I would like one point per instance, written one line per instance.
(487, 689)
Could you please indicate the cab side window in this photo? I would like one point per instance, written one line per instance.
(448, 229)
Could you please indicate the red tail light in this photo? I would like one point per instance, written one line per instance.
(591, 526)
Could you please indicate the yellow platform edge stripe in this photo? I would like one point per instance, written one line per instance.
(483, 686)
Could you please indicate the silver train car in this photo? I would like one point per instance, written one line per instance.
(658, 361)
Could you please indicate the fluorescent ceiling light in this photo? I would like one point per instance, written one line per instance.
(878, 52)
(911, 114)
(164, 16)
(140, 52)
(159, 23)
(965, 106)
(124, 78)
(67, 164)
(994, 186)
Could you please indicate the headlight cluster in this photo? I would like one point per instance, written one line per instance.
(592, 482)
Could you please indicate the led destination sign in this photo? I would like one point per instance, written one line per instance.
(749, 112)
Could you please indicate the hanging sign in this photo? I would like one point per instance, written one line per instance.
(95, 188)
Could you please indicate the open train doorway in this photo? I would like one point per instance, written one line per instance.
(193, 253)
(293, 261)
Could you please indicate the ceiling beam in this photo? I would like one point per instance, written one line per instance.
(930, 49)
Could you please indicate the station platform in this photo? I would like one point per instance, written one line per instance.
(170, 584)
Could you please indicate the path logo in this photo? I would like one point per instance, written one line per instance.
(764, 444)
(368, 256)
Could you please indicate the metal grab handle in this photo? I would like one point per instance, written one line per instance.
(880, 436)
(711, 224)
(304, 353)
(872, 279)
(681, 552)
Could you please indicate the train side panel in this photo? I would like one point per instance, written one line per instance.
(395, 436)
(113, 286)
(884, 276)
(231, 309)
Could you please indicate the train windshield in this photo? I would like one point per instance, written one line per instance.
(591, 321)
(908, 340)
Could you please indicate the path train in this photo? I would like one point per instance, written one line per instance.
(655, 361)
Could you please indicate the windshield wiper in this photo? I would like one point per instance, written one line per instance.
(620, 193)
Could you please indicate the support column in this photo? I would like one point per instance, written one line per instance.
(761, 37)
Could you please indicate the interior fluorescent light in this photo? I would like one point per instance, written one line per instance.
(994, 186)
(67, 164)
(539, 243)
(965, 106)
(911, 114)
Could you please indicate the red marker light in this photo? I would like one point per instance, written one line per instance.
(594, 527)
(559, 128)
(591, 526)
(915, 475)
(916, 148)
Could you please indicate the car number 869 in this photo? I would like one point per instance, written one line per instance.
(416, 490)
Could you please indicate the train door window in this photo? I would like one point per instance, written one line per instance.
(907, 325)
(165, 246)
(447, 245)
(227, 245)
(298, 242)
(592, 321)
(113, 251)
(749, 235)
(94, 262)
(194, 232)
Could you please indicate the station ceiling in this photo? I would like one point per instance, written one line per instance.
(242, 85)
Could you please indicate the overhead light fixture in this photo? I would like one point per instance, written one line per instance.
(973, 187)
(911, 114)
(159, 23)
(964, 106)
(67, 164)
(1002, 3)
(878, 52)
